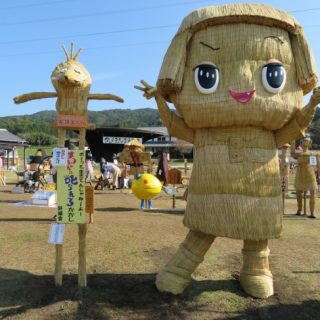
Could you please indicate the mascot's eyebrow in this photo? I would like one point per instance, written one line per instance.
(276, 38)
(207, 45)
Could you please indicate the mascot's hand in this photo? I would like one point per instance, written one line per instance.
(315, 98)
(149, 91)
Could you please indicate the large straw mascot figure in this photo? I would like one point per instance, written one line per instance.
(236, 75)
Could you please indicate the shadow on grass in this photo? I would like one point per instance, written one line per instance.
(26, 220)
(116, 209)
(313, 271)
(9, 201)
(133, 296)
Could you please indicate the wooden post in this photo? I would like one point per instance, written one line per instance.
(82, 229)
(82, 263)
(304, 203)
(58, 265)
(82, 232)
(59, 247)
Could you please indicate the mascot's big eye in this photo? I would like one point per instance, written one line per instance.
(206, 77)
(273, 77)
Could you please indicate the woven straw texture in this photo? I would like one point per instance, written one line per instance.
(72, 99)
(305, 177)
(221, 25)
(242, 54)
(255, 276)
(176, 275)
(235, 189)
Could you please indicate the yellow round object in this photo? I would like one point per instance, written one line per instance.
(146, 186)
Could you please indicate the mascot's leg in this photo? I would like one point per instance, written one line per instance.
(176, 275)
(299, 201)
(255, 276)
(312, 203)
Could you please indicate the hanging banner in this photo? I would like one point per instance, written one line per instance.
(71, 189)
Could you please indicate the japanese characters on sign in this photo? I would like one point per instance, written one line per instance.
(89, 199)
(59, 157)
(71, 189)
(313, 160)
(71, 121)
(118, 140)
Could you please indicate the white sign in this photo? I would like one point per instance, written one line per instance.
(56, 233)
(59, 157)
(119, 140)
(313, 160)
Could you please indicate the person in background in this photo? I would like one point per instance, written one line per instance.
(89, 168)
(163, 168)
(111, 168)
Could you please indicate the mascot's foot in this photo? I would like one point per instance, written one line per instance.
(170, 282)
(258, 286)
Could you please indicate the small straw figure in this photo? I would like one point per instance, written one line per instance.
(134, 155)
(236, 74)
(305, 177)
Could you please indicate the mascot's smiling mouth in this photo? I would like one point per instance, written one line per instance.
(242, 97)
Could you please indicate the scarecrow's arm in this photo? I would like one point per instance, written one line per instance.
(34, 96)
(175, 124)
(296, 127)
(104, 96)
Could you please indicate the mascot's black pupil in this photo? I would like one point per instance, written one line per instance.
(207, 75)
(275, 75)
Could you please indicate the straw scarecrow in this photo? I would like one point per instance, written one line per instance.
(72, 83)
(305, 177)
(133, 154)
(236, 75)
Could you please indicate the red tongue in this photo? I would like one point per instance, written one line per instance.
(242, 97)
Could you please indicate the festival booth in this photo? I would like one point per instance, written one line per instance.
(237, 75)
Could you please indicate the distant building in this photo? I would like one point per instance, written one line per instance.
(8, 147)
(166, 143)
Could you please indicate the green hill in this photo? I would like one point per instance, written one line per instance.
(38, 128)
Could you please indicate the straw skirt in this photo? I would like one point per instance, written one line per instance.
(305, 177)
(235, 188)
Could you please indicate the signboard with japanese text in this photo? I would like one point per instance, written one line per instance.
(56, 233)
(71, 121)
(89, 199)
(71, 189)
(119, 140)
(313, 160)
(59, 157)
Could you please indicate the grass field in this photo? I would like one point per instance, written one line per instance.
(127, 247)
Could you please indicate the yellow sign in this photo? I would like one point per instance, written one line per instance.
(89, 199)
(71, 189)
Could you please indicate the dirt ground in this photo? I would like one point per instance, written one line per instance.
(126, 248)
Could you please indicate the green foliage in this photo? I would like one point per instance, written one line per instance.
(39, 126)
(40, 138)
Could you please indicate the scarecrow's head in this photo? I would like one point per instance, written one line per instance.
(71, 74)
(244, 64)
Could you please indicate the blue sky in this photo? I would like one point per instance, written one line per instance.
(123, 42)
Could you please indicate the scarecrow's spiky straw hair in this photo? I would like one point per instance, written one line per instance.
(71, 56)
